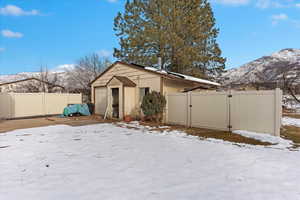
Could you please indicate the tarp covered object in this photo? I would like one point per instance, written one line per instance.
(82, 109)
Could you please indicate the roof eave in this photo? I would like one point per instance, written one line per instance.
(151, 71)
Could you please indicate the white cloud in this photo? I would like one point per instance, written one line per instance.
(13, 10)
(263, 4)
(232, 2)
(104, 53)
(2, 49)
(112, 1)
(281, 16)
(271, 4)
(63, 68)
(298, 5)
(11, 34)
(277, 18)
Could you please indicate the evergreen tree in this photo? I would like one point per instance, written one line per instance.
(181, 32)
(153, 106)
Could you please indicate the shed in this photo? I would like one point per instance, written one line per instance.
(119, 90)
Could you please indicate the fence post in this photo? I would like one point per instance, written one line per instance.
(229, 114)
(166, 118)
(278, 111)
(43, 103)
(12, 99)
(189, 109)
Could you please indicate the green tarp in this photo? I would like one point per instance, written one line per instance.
(82, 109)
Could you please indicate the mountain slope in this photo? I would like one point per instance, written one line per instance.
(63, 77)
(265, 69)
(20, 76)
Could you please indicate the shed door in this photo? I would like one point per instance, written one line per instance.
(100, 100)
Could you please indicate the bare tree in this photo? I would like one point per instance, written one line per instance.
(48, 81)
(44, 81)
(43, 76)
(53, 83)
(290, 82)
(30, 87)
(84, 71)
(289, 79)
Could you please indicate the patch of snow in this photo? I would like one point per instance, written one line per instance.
(191, 78)
(263, 137)
(287, 54)
(156, 70)
(133, 124)
(104, 161)
(136, 124)
(288, 121)
(164, 127)
(290, 103)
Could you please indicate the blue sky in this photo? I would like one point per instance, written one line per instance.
(59, 32)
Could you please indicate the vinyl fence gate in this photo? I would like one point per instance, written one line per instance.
(257, 111)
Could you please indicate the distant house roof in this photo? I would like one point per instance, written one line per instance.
(126, 81)
(168, 74)
(28, 79)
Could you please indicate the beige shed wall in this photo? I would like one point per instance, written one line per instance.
(141, 78)
(171, 86)
(130, 105)
(101, 100)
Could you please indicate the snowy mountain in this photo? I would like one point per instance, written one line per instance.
(265, 69)
(23, 75)
(63, 76)
(60, 71)
(15, 77)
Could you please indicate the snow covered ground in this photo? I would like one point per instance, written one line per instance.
(105, 161)
(288, 121)
(290, 103)
(280, 142)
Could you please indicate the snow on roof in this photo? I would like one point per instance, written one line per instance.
(156, 70)
(186, 77)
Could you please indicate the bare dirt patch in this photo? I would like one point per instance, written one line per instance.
(291, 133)
(10, 125)
(292, 115)
(206, 133)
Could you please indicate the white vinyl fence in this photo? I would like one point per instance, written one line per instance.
(257, 111)
(18, 105)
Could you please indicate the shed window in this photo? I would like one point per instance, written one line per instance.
(143, 92)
